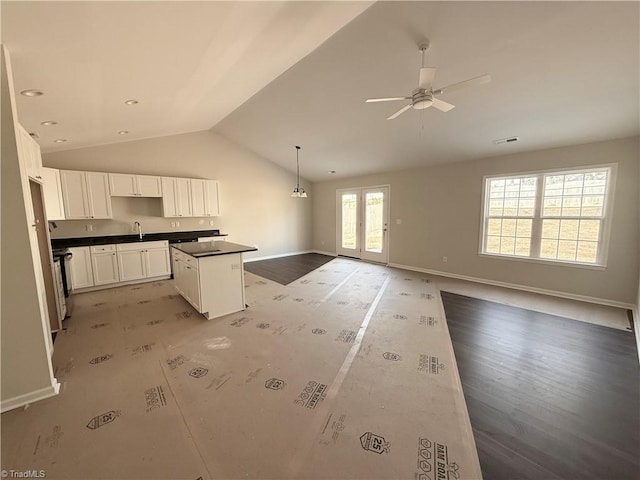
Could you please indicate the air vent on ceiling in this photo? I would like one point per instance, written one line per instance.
(506, 140)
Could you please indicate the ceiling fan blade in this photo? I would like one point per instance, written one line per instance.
(467, 83)
(390, 99)
(426, 77)
(399, 112)
(442, 106)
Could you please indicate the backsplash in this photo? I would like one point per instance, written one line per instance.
(126, 211)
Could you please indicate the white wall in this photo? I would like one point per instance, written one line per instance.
(255, 203)
(440, 208)
(26, 369)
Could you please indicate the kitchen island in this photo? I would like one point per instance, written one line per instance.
(210, 276)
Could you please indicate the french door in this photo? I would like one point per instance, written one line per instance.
(362, 223)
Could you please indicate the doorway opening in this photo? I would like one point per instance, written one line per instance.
(363, 223)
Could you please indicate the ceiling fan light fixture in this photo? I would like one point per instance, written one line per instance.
(422, 104)
(298, 191)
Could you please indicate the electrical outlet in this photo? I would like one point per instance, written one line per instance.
(89, 227)
(200, 222)
(173, 224)
(177, 224)
(398, 221)
(445, 259)
(211, 223)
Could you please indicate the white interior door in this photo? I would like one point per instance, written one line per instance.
(362, 223)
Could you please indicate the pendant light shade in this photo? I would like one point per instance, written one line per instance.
(298, 191)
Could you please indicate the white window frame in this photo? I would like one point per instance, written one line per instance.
(605, 230)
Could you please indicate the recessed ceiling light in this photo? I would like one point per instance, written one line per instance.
(48, 123)
(131, 102)
(331, 171)
(34, 135)
(60, 140)
(31, 93)
(122, 132)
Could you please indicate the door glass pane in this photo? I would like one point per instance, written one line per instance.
(374, 221)
(349, 218)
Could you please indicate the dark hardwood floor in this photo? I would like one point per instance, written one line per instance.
(285, 270)
(548, 397)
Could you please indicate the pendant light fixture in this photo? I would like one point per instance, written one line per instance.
(298, 191)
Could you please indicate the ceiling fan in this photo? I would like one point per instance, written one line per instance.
(424, 96)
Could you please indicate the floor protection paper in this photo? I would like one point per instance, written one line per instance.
(347, 373)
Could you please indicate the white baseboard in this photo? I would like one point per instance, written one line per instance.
(121, 284)
(330, 254)
(636, 326)
(27, 398)
(525, 288)
(279, 255)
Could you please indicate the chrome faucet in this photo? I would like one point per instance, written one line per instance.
(138, 226)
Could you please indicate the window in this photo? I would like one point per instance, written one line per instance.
(549, 216)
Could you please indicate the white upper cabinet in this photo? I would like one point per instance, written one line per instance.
(176, 197)
(149, 185)
(198, 199)
(85, 194)
(212, 203)
(130, 185)
(52, 193)
(204, 198)
(74, 194)
(30, 156)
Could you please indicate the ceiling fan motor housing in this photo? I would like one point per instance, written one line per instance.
(421, 100)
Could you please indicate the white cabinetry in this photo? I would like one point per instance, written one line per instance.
(80, 268)
(176, 197)
(85, 194)
(129, 185)
(131, 263)
(214, 284)
(52, 193)
(143, 260)
(112, 264)
(204, 198)
(104, 264)
(157, 260)
(31, 156)
(187, 277)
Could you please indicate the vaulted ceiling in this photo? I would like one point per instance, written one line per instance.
(272, 75)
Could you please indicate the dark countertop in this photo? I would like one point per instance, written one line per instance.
(172, 237)
(209, 249)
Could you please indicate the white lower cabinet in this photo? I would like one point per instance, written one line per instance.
(131, 263)
(143, 260)
(187, 277)
(80, 268)
(157, 261)
(214, 285)
(104, 264)
(112, 264)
